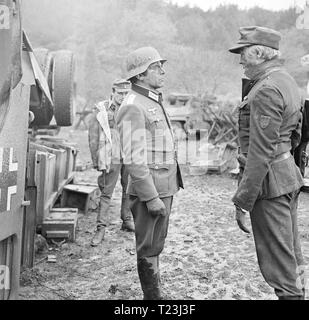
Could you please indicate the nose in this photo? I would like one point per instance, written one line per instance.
(241, 59)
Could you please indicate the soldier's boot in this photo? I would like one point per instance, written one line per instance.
(149, 277)
(126, 216)
(98, 237)
(292, 298)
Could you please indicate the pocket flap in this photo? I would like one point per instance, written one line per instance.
(159, 166)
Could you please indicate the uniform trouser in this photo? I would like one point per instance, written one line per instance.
(275, 231)
(107, 183)
(150, 231)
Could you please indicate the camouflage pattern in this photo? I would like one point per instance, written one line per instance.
(102, 152)
(106, 157)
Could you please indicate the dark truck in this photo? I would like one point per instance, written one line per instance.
(35, 86)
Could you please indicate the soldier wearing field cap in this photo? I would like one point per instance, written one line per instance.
(269, 131)
(104, 147)
(150, 157)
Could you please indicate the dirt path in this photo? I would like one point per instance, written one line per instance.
(206, 256)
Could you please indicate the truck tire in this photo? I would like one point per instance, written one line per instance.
(43, 113)
(63, 87)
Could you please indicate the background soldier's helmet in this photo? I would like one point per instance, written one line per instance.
(139, 60)
(121, 85)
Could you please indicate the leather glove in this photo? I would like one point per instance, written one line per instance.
(240, 218)
(156, 207)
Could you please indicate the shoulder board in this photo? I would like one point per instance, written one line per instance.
(102, 104)
(131, 98)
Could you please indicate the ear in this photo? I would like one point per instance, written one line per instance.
(259, 53)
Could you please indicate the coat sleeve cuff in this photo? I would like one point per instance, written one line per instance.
(145, 189)
(242, 204)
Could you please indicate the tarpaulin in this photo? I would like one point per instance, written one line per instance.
(37, 72)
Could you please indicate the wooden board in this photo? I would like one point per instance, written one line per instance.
(60, 223)
(78, 196)
(29, 229)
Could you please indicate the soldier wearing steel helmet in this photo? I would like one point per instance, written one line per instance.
(150, 158)
(269, 130)
(106, 156)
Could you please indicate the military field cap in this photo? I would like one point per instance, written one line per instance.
(139, 60)
(122, 85)
(255, 35)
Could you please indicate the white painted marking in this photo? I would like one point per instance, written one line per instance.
(12, 166)
(11, 190)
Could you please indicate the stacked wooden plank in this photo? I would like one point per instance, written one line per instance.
(50, 167)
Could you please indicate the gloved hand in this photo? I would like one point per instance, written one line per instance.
(156, 207)
(240, 218)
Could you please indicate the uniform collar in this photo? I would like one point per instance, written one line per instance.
(151, 94)
(264, 69)
(112, 105)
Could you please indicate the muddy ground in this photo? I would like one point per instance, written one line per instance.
(206, 256)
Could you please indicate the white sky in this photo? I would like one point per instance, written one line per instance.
(243, 4)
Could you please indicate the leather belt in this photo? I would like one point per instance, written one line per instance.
(282, 156)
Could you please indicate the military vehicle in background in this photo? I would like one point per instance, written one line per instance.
(35, 86)
(187, 115)
(202, 116)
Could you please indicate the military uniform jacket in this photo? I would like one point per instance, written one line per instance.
(269, 116)
(103, 136)
(148, 145)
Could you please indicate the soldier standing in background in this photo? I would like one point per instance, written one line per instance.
(269, 131)
(149, 156)
(105, 152)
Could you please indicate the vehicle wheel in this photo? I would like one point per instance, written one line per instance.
(63, 87)
(44, 111)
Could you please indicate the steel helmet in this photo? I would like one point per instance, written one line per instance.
(139, 60)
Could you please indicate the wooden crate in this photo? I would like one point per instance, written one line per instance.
(71, 152)
(60, 224)
(61, 162)
(78, 196)
(44, 180)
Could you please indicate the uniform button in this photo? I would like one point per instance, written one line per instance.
(156, 167)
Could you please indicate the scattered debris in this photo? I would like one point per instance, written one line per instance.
(40, 244)
(113, 289)
(51, 259)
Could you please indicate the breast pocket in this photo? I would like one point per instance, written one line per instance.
(157, 123)
(160, 174)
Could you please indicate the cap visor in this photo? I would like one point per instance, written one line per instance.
(237, 48)
(122, 90)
